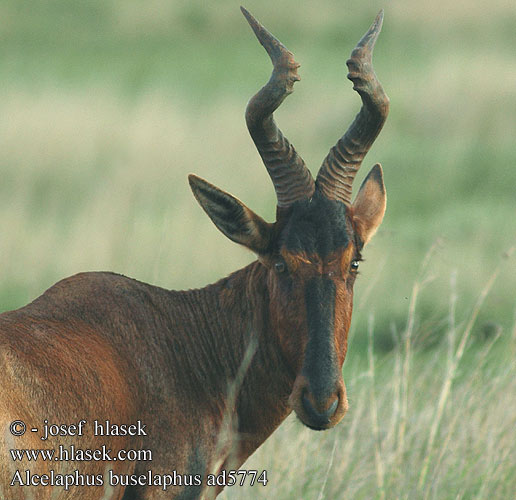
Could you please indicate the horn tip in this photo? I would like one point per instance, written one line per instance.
(378, 22)
(245, 12)
(376, 27)
(193, 179)
(369, 39)
(251, 19)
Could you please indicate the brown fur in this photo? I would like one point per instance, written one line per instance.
(102, 346)
(211, 373)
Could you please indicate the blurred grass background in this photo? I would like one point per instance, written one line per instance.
(107, 105)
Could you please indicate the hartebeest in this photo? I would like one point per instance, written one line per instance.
(102, 365)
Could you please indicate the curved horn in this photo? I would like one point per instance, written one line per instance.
(335, 177)
(292, 180)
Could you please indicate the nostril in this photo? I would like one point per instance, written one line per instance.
(324, 417)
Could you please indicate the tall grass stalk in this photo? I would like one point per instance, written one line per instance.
(380, 469)
(229, 424)
(459, 439)
(472, 382)
(451, 372)
(419, 284)
(328, 469)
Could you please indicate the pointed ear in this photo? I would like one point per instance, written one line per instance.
(369, 205)
(231, 216)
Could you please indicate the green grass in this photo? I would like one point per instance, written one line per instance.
(105, 108)
(422, 424)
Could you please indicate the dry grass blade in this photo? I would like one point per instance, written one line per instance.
(450, 375)
(380, 468)
(422, 280)
(328, 469)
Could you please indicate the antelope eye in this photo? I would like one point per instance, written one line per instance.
(279, 267)
(354, 265)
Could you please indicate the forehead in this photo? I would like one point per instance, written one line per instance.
(317, 226)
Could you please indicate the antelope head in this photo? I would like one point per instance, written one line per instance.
(312, 252)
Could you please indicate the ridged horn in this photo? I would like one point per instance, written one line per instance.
(292, 180)
(336, 175)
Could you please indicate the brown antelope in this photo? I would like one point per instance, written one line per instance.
(105, 366)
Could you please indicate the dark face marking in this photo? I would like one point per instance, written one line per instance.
(320, 365)
(316, 243)
(316, 227)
